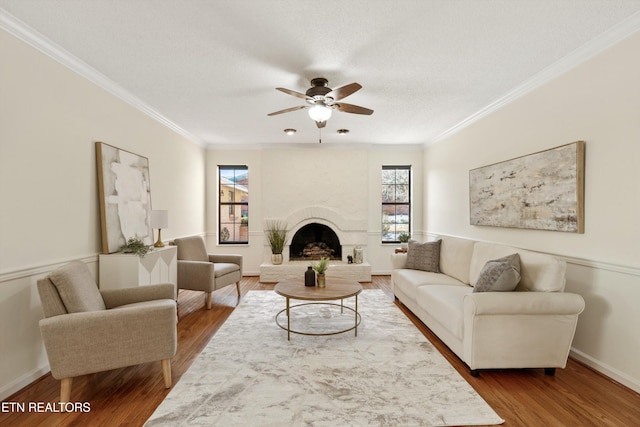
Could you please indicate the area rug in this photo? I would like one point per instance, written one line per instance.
(249, 374)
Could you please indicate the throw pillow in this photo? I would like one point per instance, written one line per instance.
(424, 256)
(499, 275)
(77, 288)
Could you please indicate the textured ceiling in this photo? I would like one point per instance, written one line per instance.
(211, 67)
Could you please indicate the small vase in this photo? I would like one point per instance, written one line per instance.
(321, 281)
(310, 277)
(276, 259)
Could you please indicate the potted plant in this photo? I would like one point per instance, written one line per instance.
(135, 246)
(276, 233)
(404, 239)
(321, 267)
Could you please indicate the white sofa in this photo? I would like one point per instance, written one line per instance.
(530, 327)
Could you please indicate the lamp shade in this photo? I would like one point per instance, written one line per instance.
(159, 219)
(320, 113)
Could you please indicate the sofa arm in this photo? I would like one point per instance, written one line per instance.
(398, 261)
(519, 329)
(117, 297)
(88, 342)
(522, 303)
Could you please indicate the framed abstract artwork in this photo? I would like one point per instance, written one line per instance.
(124, 192)
(541, 191)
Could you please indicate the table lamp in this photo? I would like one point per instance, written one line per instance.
(159, 220)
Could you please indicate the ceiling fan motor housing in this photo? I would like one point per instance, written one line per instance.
(319, 87)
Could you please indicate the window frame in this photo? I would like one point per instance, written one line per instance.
(395, 203)
(231, 205)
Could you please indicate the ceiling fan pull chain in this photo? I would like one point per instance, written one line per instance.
(320, 135)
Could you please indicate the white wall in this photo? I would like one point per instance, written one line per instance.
(598, 102)
(50, 119)
(285, 180)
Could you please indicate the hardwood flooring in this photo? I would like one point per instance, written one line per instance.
(575, 396)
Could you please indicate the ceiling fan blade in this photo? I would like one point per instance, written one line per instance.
(350, 108)
(344, 91)
(287, 110)
(293, 93)
(321, 124)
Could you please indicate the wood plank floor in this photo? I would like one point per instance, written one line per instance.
(575, 396)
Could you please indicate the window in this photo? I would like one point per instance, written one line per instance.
(233, 204)
(396, 202)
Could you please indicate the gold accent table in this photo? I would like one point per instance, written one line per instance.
(336, 289)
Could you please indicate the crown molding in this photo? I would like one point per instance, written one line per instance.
(580, 55)
(33, 38)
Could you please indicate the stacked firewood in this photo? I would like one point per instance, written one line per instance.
(317, 250)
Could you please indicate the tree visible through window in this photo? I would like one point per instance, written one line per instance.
(396, 202)
(233, 205)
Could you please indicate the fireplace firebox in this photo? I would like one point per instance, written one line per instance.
(314, 241)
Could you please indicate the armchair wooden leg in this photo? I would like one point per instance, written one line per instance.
(65, 390)
(166, 372)
(238, 288)
(208, 300)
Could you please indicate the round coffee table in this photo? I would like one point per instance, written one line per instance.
(335, 289)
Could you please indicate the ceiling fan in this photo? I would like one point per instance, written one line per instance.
(322, 100)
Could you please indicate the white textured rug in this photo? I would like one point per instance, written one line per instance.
(389, 375)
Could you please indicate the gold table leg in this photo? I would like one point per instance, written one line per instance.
(356, 328)
(288, 322)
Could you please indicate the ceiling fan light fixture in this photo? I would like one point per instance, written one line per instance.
(290, 131)
(320, 113)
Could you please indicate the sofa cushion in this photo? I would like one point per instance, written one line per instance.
(445, 303)
(499, 275)
(455, 257)
(539, 272)
(77, 288)
(408, 280)
(424, 256)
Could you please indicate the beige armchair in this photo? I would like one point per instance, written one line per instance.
(200, 271)
(87, 331)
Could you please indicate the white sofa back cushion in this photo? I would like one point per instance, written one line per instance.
(539, 272)
(455, 257)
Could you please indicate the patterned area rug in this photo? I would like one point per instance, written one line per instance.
(388, 375)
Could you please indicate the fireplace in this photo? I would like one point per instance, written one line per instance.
(314, 241)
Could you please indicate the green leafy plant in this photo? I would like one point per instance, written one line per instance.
(404, 237)
(322, 265)
(276, 233)
(135, 246)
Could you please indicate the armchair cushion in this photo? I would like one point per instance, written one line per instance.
(77, 288)
(222, 268)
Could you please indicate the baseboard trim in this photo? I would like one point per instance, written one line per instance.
(22, 382)
(605, 370)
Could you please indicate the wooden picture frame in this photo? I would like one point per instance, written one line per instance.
(124, 193)
(541, 191)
